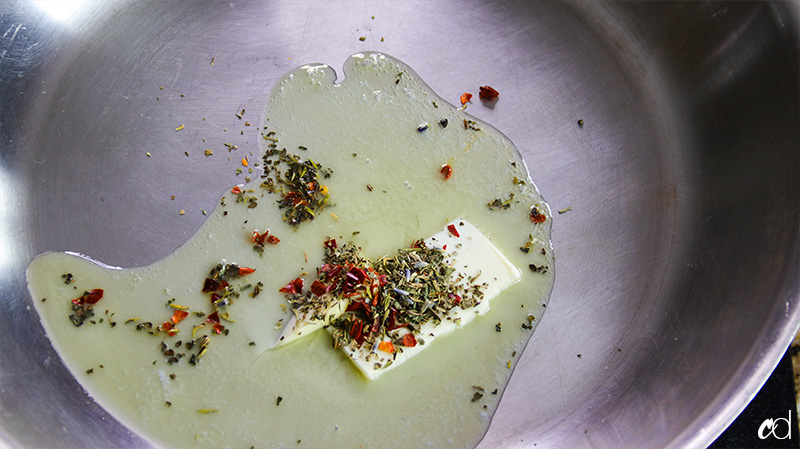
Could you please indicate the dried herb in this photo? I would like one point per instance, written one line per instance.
(257, 289)
(82, 306)
(542, 269)
(526, 248)
(67, 278)
(406, 290)
(471, 124)
(302, 195)
(500, 203)
(259, 241)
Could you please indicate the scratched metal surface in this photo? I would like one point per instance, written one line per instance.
(677, 266)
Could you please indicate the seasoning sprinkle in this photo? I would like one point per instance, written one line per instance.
(408, 289)
(302, 194)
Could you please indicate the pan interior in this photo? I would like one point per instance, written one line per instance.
(677, 249)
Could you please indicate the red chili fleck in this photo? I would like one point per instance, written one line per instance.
(330, 244)
(318, 288)
(244, 271)
(89, 297)
(210, 285)
(236, 189)
(453, 230)
(168, 328)
(536, 216)
(295, 198)
(213, 318)
(488, 93)
(465, 97)
(386, 346)
(294, 287)
(179, 315)
(409, 341)
(446, 171)
(357, 331)
(94, 296)
(214, 298)
(273, 240)
(218, 328)
(457, 299)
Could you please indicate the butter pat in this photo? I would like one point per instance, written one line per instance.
(475, 261)
(300, 325)
(474, 257)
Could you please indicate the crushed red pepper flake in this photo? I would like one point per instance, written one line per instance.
(168, 328)
(409, 340)
(536, 216)
(179, 315)
(452, 229)
(446, 171)
(466, 97)
(294, 287)
(89, 297)
(386, 346)
(488, 93)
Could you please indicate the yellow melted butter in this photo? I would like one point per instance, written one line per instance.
(365, 130)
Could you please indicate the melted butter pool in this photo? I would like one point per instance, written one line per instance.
(386, 190)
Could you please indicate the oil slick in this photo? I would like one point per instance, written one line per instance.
(367, 131)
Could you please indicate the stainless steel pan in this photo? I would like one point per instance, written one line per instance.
(677, 264)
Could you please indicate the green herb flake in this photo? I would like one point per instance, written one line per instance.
(302, 193)
(501, 203)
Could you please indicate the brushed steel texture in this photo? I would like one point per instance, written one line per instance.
(677, 265)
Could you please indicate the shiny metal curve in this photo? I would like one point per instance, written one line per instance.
(679, 196)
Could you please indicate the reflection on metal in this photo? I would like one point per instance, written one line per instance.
(60, 10)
